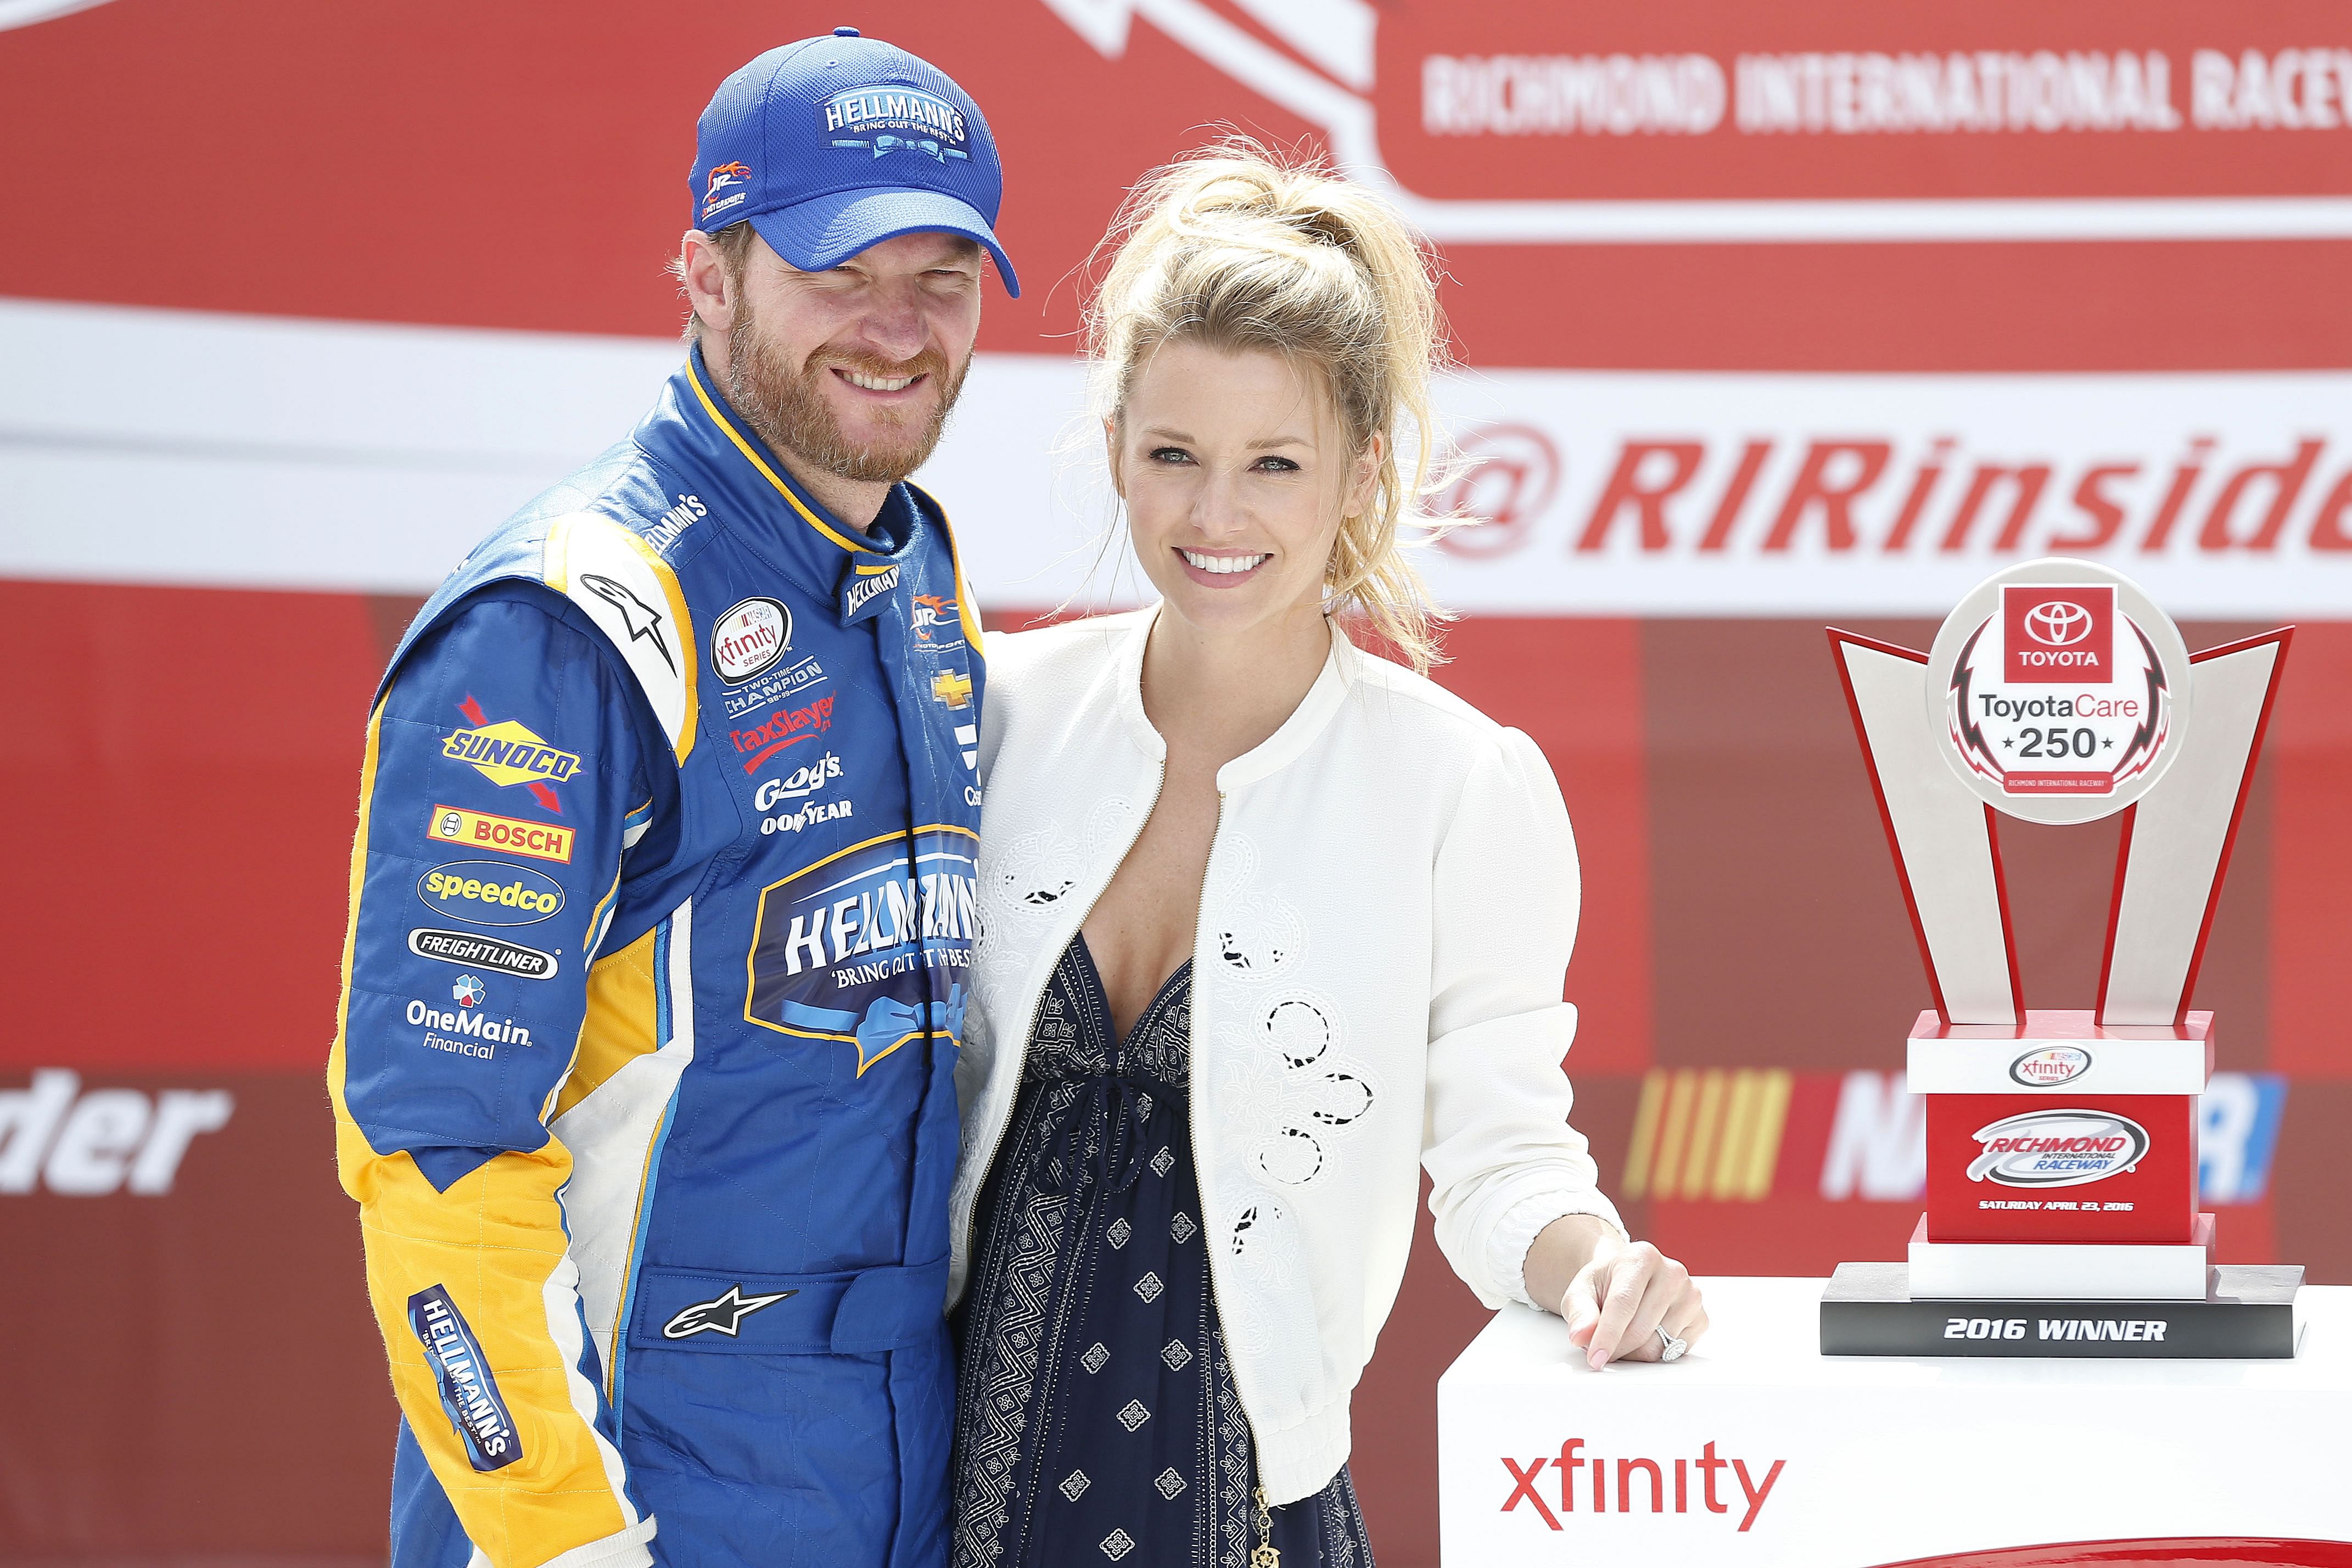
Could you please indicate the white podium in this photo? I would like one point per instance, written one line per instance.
(1757, 1449)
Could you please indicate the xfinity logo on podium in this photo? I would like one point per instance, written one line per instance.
(1642, 1486)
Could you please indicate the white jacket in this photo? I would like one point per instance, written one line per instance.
(1390, 902)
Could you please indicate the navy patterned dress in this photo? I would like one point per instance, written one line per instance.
(1096, 1417)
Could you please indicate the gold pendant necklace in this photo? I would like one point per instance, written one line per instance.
(1266, 1556)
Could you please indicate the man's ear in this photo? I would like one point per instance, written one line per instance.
(705, 278)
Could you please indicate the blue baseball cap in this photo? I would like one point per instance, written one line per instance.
(833, 144)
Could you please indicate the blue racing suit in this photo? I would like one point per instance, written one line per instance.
(642, 1079)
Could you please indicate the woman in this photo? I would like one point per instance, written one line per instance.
(1265, 919)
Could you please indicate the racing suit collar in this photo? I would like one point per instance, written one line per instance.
(778, 517)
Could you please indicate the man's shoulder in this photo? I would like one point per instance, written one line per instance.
(594, 551)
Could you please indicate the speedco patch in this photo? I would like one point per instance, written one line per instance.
(539, 840)
(470, 1395)
(490, 893)
(2057, 1148)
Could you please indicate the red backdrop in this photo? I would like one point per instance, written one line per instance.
(195, 1373)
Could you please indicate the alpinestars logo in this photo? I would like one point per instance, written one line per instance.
(639, 619)
(724, 1316)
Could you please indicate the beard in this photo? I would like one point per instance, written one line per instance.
(787, 406)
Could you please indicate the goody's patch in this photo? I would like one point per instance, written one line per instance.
(882, 121)
(846, 949)
(470, 1395)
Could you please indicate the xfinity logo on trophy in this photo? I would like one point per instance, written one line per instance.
(1642, 1486)
(2057, 1148)
(2058, 1064)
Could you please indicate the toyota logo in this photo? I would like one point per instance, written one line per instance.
(2057, 624)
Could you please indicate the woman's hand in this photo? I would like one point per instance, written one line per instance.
(1617, 1303)
(1619, 1293)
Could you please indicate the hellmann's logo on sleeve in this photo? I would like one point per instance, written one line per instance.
(470, 1395)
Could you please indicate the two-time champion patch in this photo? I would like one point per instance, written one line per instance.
(468, 1392)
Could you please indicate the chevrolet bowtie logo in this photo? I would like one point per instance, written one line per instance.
(725, 1315)
(951, 686)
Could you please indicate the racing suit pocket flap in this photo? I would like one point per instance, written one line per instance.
(890, 1309)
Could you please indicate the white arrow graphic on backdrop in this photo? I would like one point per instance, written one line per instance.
(24, 12)
(1336, 37)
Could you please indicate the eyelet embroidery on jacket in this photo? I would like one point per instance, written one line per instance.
(1288, 1087)
(1261, 936)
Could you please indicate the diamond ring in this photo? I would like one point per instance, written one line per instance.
(1670, 1348)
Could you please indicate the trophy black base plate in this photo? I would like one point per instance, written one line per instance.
(2248, 1314)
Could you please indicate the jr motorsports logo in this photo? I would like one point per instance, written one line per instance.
(2057, 1148)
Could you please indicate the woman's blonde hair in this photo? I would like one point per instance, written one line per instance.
(1236, 249)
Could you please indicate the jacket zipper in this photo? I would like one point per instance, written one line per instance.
(996, 1133)
(1193, 1127)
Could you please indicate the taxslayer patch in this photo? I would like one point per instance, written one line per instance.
(511, 835)
(470, 1395)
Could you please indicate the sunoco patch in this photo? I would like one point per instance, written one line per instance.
(468, 1392)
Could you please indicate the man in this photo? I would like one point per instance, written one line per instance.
(662, 898)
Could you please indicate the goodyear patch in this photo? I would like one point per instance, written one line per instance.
(512, 835)
(470, 1395)
(508, 752)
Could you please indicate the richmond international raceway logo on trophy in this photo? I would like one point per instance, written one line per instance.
(2062, 1142)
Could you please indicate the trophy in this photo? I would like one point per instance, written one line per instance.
(2062, 1213)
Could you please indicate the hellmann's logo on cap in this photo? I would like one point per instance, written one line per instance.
(886, 120)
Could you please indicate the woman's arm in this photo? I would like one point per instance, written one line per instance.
(1515, 1191)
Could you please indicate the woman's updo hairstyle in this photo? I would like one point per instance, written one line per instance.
(1235, 250)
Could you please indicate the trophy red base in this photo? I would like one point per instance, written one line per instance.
(2062, 1154)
